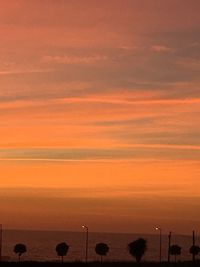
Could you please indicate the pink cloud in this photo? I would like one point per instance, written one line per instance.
(161, 49)
(72, 59)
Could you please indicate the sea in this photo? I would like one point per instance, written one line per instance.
(41, 245)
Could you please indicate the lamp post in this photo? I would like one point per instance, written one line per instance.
(1, 237)
(86, 243)
(169, 245)
(160, 231)
(193, 244)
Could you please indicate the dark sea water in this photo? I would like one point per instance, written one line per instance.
(41, 245)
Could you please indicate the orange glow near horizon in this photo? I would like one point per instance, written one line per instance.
(99, 106)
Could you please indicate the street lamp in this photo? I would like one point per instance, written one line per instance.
(1, 237)
(169, 245)
(160, 230)
(86, 243)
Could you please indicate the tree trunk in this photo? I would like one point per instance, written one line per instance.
(193, 243)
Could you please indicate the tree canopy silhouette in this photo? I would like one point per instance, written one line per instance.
(20, 249)
(175, 250)
(137, 248)
(101, 249)
(62, 249)
(194, 250)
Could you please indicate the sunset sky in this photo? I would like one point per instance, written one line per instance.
(100, 115)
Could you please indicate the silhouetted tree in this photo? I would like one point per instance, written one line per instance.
(175, 250)
(137, 248)
(62, 249)
(101, 249)
(20, 249)
(194, 250)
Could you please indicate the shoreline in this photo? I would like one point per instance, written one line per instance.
(98, 264)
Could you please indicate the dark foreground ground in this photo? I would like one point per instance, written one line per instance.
(98, 264)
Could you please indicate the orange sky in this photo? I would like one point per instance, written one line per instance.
(99, 106)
